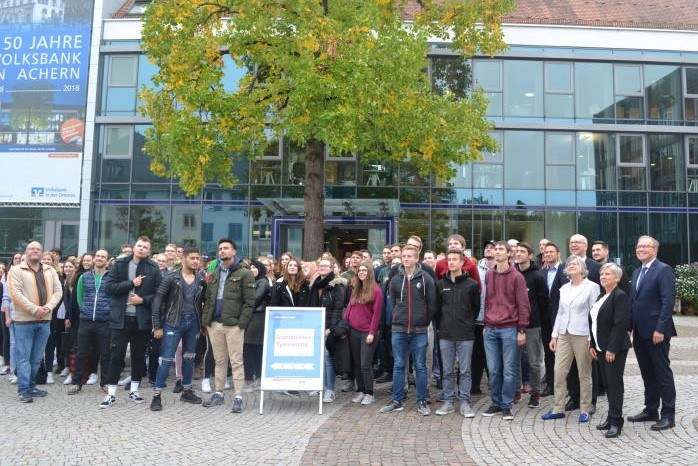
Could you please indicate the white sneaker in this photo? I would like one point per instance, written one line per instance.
(49, 378)
(136, 397)
(124, 381)
(358, 397)
(227, 383)
(68, 380)
(5, 370)
(206, 385)
(64, 372)
(107, 402)
(92, 380)
(314, 393)
(328, 397)
(13, 379)
(368, 399)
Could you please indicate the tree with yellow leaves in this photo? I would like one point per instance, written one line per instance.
(342, 75)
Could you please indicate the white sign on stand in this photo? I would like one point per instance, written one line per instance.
(294, 350)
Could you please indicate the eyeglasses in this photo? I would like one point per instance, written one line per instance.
(324, 265)
(645, 246)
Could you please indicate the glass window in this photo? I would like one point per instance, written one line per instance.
(631, 179)
(340, 173)
(663, 90)
(123, 70)
(451, 74)
(111, 226)
(596, 161)
(559, 106)
(559, 177)
(495, 106)
(672, 233)
(523, 88)
(558, 77)
(667, 172)
(692, 150)
(118, 142)
(523, 159)
(559, 148)
(524, 225)
(631, 149)
(691, 81)
(593, 85)
(629, 108)
(488, 74)
(152, 221)
(293, 163)
(275, 147)
(558, 225)
(141, 161)
(628, 79)
(487, 175)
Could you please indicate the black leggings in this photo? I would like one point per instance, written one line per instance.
(252, 360)
(362, 360)
(5, 340)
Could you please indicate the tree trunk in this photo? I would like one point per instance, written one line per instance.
(314, 200)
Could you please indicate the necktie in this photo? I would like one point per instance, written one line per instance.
(640, 277)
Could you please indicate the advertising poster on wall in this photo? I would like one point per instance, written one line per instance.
(294, 349)
(44, 62)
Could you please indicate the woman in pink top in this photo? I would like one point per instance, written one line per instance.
(364, 316)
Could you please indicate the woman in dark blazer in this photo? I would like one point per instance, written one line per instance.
(609, 320)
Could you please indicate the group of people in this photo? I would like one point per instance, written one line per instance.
(533, 323)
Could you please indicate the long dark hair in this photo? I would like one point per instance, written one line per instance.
(294, 282)
(79, 270)
(363, 290)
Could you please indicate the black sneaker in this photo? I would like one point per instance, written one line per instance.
(507, 414)
(189, 396)
(392, 407)
(237, 405)
(136, 397)
(534, 400)
(178, 387)
(38, 393)
(215, 400)
(387, 377)
(25, 398)
(492, 411)
(156, 404)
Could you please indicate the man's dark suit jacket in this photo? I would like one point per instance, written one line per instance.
(653, 301)
(612, 323)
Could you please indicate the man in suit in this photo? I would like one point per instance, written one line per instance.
(652, 292)
(555, 278)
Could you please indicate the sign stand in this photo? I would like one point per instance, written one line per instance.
(293, 357)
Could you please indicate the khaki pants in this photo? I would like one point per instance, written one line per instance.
(571, 347)
(227, 343)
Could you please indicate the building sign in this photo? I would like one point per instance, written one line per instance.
(294, 348)
(44, 62)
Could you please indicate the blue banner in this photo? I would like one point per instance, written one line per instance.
(294, 342)
(44, 65)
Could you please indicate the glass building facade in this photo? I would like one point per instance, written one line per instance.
(599, 141)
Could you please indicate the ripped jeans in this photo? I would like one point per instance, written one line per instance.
(188, 332)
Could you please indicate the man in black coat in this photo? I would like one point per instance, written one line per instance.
(131, 283)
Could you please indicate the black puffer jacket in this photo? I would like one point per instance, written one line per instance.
(254, 334)
(537, 284)
(413, 300)
(330, 293)
(281, 294)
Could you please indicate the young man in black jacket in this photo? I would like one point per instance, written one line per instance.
(131, 283)
(458, 303)
(176, 309)
(413, 296)
(538, 298)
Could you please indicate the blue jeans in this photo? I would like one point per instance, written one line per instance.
(463, 351)
(502, 364)
(30, 343)
(329, 371)
(416, 344)
(188, 332)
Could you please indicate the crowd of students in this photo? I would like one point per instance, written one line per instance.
(536, 325)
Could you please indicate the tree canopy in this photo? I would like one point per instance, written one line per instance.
(344, 74)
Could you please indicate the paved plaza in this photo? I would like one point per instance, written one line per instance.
(62, 429)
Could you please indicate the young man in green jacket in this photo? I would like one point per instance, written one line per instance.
(230, 297)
